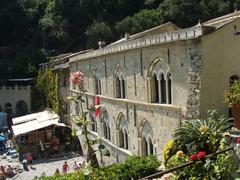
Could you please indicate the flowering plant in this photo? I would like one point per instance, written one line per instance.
(232, 96)
(180, 153)
(81, 118)
(193, 157)
(77, 77)
(201, 154)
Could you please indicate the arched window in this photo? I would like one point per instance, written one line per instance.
(159, 82)
(8, 108)
(154, 89)
(146, 134)
(105, 125)
(21, 108)
(120, 87)
(169, 89)
(123, 134)
(163, 89)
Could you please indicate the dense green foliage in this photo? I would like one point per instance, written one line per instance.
(205, 134)
(134, 167)
(232, 96)
(46, 92)
(35, 29)
(193, 141)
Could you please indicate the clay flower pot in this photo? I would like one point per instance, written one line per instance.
(236, 115)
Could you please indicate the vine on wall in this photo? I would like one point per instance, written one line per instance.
(48, 90)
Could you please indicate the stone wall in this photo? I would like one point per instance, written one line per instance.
(144, 119)
(13, 95)
(194, 54)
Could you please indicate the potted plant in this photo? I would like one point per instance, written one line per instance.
(232, 97)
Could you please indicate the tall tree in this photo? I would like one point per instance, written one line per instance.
(141, 21)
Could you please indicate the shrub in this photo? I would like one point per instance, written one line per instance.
(176, 160)
(169, 151)
(205, 134)
(198, 138)
(134, 167)
(232, 96)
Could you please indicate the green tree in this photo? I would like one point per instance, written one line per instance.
(98, 31)
(141, 21)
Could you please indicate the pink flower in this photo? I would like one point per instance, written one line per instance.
(201, 154)
(77, 77)
(193, 157)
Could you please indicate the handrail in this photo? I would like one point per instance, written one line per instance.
(159, 174)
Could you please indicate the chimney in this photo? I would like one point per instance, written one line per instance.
(126, 36)
(101, 44)
(199, 23)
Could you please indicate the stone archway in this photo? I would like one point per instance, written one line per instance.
(146, 138)
(8, 108)
(21, 108)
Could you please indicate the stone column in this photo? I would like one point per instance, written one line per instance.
(149, 89)
(167, 95)
(124, 140)
(148, 147)
(159, 92)
(117, 138)
(140, 146)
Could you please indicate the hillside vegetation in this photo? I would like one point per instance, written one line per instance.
(37, 29)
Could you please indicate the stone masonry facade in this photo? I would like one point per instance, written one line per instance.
(147, 85)
(143, 90)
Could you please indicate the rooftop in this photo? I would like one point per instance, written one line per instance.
(222, 20)
(12, 82)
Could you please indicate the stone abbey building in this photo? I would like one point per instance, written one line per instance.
(150, 82)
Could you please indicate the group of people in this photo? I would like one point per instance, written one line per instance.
(65, 167)
(7, 171)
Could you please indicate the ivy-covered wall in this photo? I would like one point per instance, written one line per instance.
(47, 91)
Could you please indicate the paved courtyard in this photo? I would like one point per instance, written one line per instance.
(40, 166)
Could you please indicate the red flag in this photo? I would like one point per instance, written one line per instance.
(97, 112)
(96, 103)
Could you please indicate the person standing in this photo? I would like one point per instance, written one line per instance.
(75, 166)
(30, 158)
(57, 173)
(65, 167)
(24, 162)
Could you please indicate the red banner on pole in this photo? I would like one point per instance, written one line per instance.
(96, 103)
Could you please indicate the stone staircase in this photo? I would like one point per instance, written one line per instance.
(65, 155)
